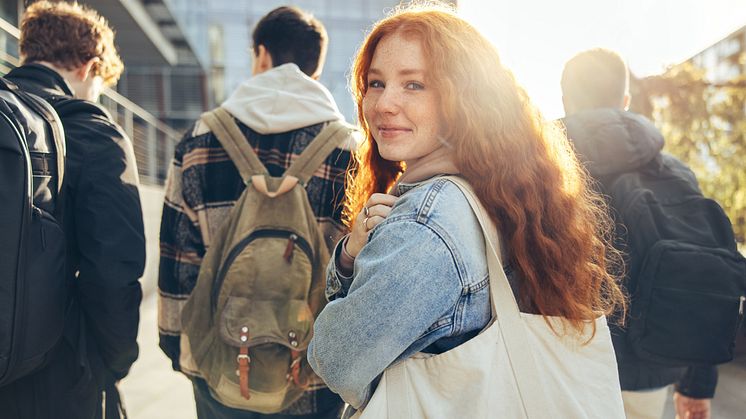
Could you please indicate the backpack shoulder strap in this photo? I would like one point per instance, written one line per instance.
(47, 112)
(330, 137)
(221, 123)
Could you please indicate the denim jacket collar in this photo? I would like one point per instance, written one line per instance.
(400, 189)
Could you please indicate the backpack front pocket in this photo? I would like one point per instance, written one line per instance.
(275, 332)
(688, 305)
(265, 265)
(694, 326)
(283, 322)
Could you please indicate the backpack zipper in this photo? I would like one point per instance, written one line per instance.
(740, 305)
(240, 246)
(38, 213)
(288, 255)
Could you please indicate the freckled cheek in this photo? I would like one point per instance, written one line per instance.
(431, 118)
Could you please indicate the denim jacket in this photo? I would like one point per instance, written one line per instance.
(420, 284)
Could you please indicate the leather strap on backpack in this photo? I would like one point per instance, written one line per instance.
(297, 358)
(244, 362)
(222, 124)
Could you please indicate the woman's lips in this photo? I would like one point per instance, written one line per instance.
(387, 131)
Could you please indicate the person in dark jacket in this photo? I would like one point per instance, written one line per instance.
(68, 56)
(611, 140)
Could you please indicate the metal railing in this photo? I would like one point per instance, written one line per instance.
(152, 139)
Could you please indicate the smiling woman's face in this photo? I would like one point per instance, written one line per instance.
(401, 104)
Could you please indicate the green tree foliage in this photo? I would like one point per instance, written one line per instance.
(704, 125)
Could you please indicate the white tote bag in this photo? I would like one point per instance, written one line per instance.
(516, 368)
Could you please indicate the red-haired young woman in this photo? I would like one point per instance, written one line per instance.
(411, 277)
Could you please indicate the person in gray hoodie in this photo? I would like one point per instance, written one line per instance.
(279, 110)
(612, 141)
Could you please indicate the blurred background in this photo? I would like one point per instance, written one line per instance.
(183, 57)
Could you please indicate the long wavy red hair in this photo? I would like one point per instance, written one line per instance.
(522, 168)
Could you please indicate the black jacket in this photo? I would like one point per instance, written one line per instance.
(610, 142)
(106, 253)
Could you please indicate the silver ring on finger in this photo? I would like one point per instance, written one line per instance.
(366, 212)
(365, 223)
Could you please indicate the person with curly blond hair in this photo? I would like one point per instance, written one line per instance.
(68, 56)
(73, 40)
(413, 287)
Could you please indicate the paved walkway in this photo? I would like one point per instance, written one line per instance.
(154, 391)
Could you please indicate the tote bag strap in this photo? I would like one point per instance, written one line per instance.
(506, 314)
(397, 396)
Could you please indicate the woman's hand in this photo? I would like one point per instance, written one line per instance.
(375, 211)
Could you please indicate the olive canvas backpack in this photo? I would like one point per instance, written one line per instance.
(250, 316)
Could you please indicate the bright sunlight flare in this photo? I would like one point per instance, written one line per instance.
(536, 37)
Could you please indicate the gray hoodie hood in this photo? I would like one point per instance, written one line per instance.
(610, 141)
(282, 99)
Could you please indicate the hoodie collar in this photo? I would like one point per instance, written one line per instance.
(282, 99)
(610, 141)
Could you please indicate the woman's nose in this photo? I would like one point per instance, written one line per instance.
(389, 101)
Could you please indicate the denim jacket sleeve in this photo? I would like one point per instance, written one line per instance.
(337, 284)
(405, 279)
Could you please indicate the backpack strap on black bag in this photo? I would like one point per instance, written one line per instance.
(55, 124)
(222, 124)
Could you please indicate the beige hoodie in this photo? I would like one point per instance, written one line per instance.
(282, 99)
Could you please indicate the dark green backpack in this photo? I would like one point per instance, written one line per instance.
(250, 317)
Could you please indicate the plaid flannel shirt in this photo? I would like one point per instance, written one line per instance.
(203, 185)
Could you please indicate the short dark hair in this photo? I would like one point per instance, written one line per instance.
(291, 35)
(597, 78)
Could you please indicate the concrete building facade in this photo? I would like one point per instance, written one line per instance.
(724, 60)
(220, 34)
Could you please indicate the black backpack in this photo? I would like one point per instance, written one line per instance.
(685, 276)
(34, 291)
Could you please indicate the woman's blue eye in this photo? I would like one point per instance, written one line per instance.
(375, 84)
(415, 86)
